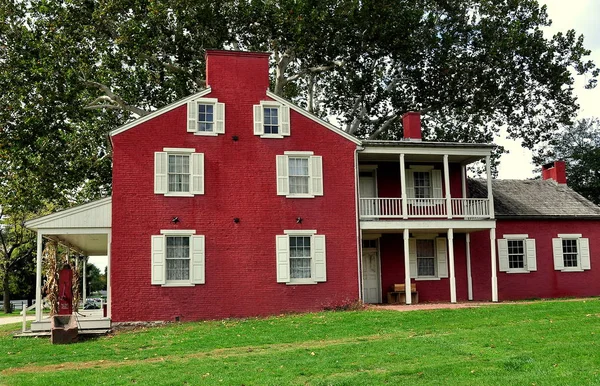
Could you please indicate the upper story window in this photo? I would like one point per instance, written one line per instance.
(206, 116)
(571, 253)
(178, 172)
(299, 174)
(271, 119)
(428, 257)
(301, 257)
(177, 258)
(423, 181)
(517, 254)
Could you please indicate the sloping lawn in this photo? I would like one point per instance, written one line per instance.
(543, 343)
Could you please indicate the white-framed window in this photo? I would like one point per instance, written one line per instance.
(178, 172)
(206, 116)
(423, 182)
(428, 257)
(517, 253)
(177, 258)
(299, 174)
(301, 257)
(271, 119)
(571, 253)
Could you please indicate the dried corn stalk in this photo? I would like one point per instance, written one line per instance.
(75, 285)
(51, 272)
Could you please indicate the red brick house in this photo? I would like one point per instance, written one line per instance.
(233, 202)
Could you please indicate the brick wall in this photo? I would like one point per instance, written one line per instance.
(240, 181)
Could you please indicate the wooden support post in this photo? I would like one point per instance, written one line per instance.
(451, 265)
(493, 261)
(403, 187)
(469, 278)
(38, 278)
(407, 267)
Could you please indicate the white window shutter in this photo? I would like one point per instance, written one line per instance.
(197, 173)
(220, 118)
(160, 172)
(259, 129)
(158, 260)
(198, 260)
(283, 258)
(319, 258)
(412, 257)
(503, 254)
(584, 253)
(559, 263)
(531, 258)
(283, 185)
(410, 184)
(285, 120)
(192, 116)
(436, 183)
(442, 257)
(316, 175)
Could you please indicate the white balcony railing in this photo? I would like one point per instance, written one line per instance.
(464, 208)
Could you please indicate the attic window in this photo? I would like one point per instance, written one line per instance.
(271, 119)
(206, 116)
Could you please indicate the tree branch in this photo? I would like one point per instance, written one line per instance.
(115, 100)
(384, 127)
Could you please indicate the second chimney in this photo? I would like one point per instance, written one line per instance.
(411, 125)
(555, 171)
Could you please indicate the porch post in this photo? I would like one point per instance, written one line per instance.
(407, 267)
(403, 187)
(38, 279)
(469, 279)
(488, 170)
(463, 187)
(108, 278)
(493, 261)
(84, 279)
(447, 186)
(451, 263)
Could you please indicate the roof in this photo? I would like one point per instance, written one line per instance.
(95, 214)
(409, 143)
(534, 199)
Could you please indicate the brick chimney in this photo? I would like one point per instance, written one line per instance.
(237, 70)
(555, 171)
(411, 125)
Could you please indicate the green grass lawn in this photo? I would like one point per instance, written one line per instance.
(543, 343)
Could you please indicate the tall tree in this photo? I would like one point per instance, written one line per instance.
(579, 146)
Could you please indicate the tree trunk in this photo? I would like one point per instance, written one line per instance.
(6, 290)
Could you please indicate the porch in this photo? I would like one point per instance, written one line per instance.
(83, 230)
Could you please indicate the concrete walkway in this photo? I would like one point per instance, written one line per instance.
(15, 319)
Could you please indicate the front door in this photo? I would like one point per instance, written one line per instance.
(370, 276)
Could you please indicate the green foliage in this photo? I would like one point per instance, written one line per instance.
(579, 146)
(501, 344)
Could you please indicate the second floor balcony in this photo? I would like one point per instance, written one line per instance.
(398, 208)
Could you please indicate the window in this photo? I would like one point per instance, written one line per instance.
(271, 119)
(423, 182)
(516, 253)
(206, 116)
(178, 172)
(427, 256)
(177, 258)
(571, 253)
(299, 174)
(301, 257)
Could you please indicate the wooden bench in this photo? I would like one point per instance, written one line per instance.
(398, 294)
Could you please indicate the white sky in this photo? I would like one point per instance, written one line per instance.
(582, 16)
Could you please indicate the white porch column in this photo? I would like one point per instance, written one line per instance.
(407, 267)
(493, 261)
(451, 264)
(469, 278)
(447, 186)
(38, 279)
(403, 187)
(108, 291)
(84, 279)
(488, 170)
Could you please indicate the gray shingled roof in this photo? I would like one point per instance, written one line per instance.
(534, 198)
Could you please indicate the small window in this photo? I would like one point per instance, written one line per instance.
(516, 253)
(571, 253)
(178, 172)
(177, 258)
(271, 119)
(206, 116)
(301, 257)
(371, 244)
(422, 184)
(299, 175)
(428, 257)
(425, 257)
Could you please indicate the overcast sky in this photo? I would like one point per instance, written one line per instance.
(581, 15)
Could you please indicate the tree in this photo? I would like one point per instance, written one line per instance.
(579, 146)
(72, 70)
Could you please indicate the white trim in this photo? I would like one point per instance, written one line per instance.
(206, 133)
(314, 118)
(299, 196)
(514, 236)
(570, 235)
(271, 136)
(425, 278)
(179, 149)
(299, 232)
(427, 224)
(177, 194)
(422, 150)
(160, 111)
(301, 153)
(36, 222)
(183, 283)
(302, 282)
(421, 168)
(186, 232)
